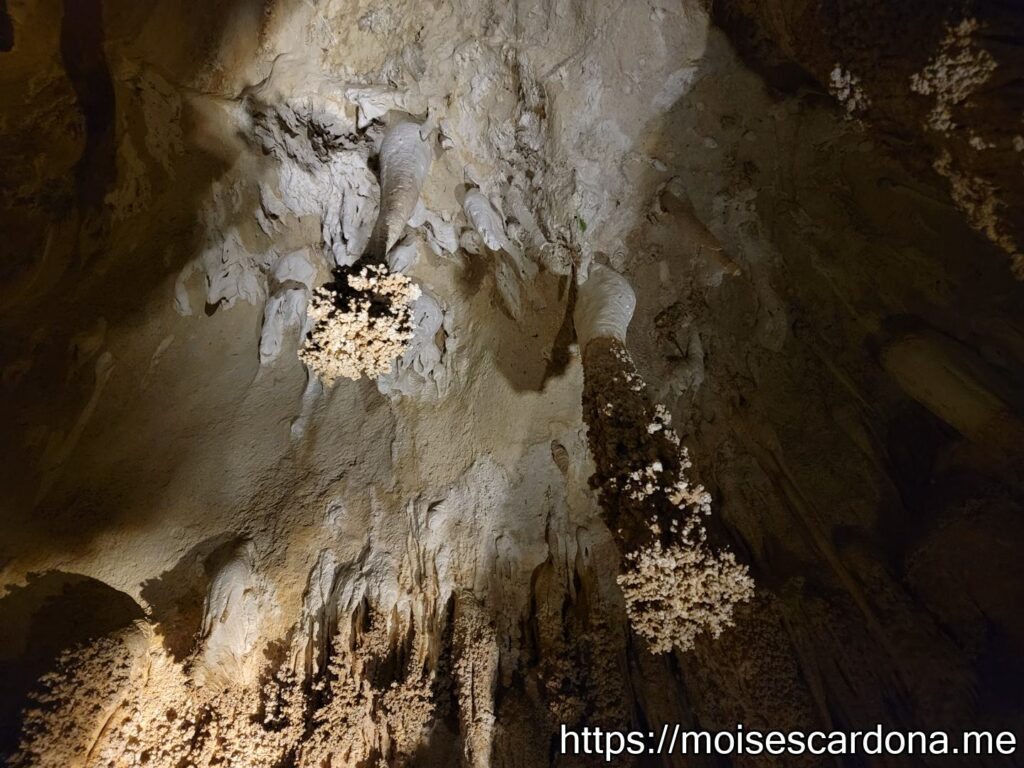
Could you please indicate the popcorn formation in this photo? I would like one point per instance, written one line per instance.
(676, 585)
(361, 323)
(674, 593)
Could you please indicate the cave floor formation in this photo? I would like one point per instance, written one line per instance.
(218, 547)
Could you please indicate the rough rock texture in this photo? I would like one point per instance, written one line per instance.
(422, 562)
(938, 80)
(675, 586)
(361, 322)
(80, 698)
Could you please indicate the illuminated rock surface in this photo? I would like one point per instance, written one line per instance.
(207, 557)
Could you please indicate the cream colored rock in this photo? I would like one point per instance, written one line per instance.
(487, 222)
(231, 624)
(445, 573)
(360, 326)
(605, 303)
(404, 162)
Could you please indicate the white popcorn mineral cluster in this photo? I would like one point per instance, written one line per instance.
(362, 322)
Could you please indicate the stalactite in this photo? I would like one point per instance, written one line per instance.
(676, 587)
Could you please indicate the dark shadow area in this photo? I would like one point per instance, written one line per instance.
(470, 278)
(113, 277)
(6, 28)
(53, 612)
(866, 508)
(177, 595)
(443, 744)
(558, 356)
(534, 348)
(81, 48)
(915, 442)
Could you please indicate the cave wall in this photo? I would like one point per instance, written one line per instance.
(416, 570)
(938, 82)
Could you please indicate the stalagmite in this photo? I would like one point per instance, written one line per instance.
(230, 629)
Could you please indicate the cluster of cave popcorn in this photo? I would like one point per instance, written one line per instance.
(361, 324)
(362, 321)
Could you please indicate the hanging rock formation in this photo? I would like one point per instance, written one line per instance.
(814, 209)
